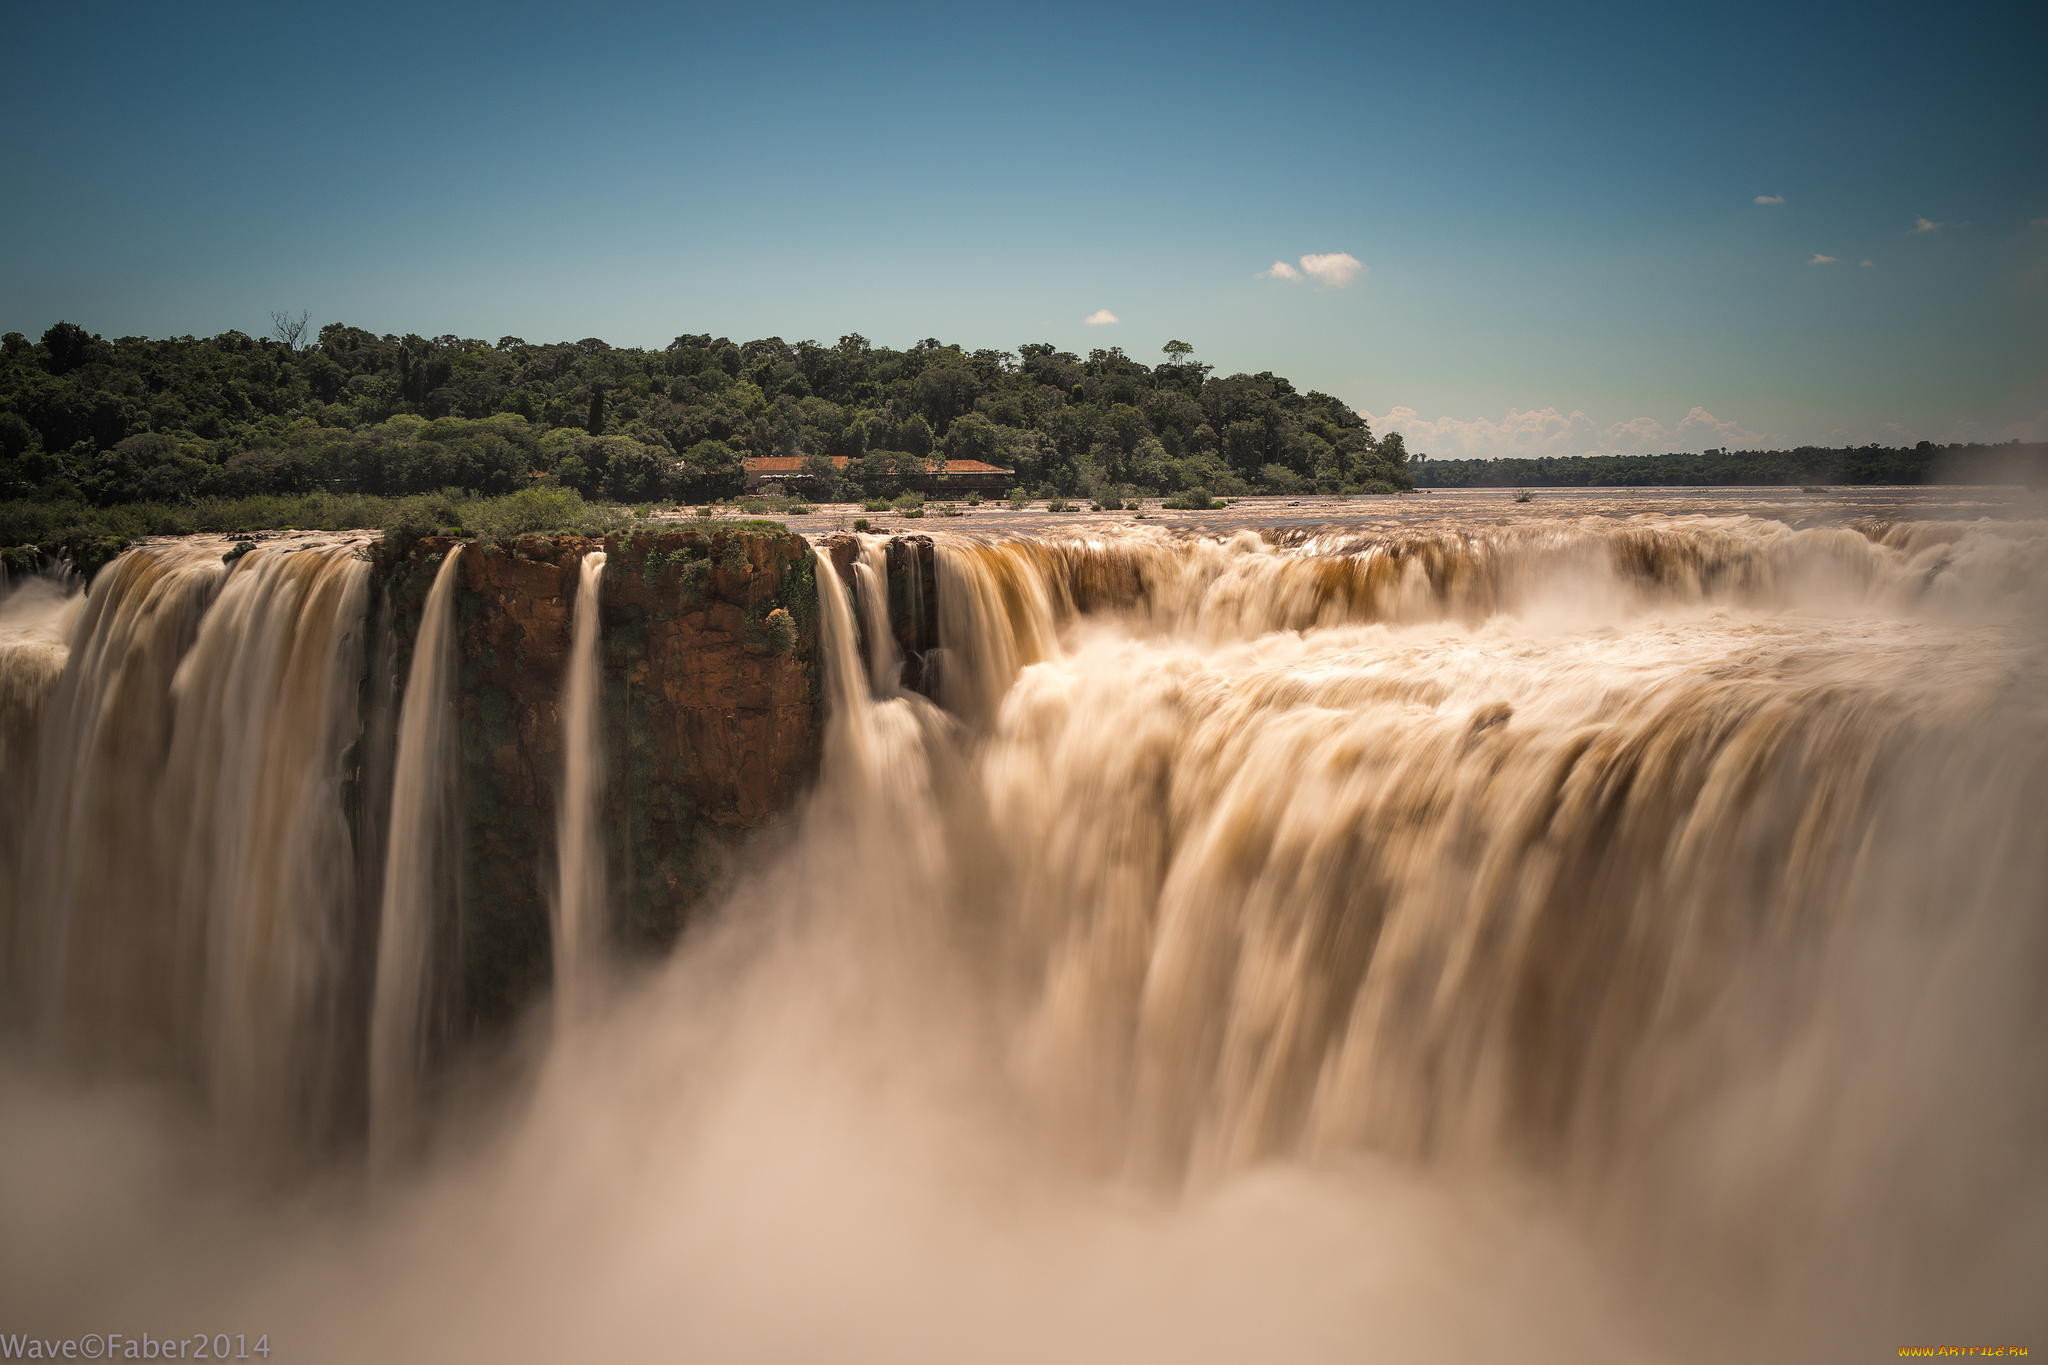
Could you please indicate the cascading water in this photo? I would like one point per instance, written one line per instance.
(579, 851)
(1403, 803)
(417, 865)
(1428, 847)
(1578, 941)
(266, 704)
(36, 616)
(871, 573)
(184, 898)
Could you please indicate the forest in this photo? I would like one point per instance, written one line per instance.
(2010, 462)
(94, 421)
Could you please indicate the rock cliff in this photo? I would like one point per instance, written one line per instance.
(711, 711)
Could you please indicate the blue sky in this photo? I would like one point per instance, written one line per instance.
(1553, 210)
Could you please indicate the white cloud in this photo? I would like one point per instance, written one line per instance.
(1334, 268)
(1866, 263)
(1700, 429)
(1547, 431)
(1637, 434)
(1819, 259)
(1921, 225)
(1101, 317)
(1770, 199)
(1331, 269)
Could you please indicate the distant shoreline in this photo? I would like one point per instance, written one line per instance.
(2010, 463)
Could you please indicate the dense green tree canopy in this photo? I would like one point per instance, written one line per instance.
(353, 412)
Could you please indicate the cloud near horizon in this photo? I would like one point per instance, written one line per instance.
(1921, 225)
(1331, 269)
(1101, 317)
(1819, 259)
(1770, 199)
(1335, 268)
(1548, 432)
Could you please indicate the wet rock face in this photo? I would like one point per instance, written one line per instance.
(711, 713)
(913, 602)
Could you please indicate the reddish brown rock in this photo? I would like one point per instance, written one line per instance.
(711, 715)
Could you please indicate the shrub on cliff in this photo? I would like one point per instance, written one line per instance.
(557, 510)
(778, 629)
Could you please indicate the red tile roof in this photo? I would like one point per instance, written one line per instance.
(784, 464)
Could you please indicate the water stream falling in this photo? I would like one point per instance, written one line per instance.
(199, 918)
(1584, 940)
(579, 901)
(871, 572)
(416, 864)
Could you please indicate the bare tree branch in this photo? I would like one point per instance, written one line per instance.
(289, 329)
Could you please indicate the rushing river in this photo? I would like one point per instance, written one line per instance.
(1581, 933)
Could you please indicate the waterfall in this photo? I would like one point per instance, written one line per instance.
(93, 942)
(850, 738)
(1307, 845)
(871, 571)
(417, 869)
(188, 900)
(1579, 940)
(579, 902)
(266, 709)
(36, 617)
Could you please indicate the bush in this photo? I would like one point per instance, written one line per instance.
(87, 533)
(1194, 500)
(913, 511)
(974, 498)
(778, 629)
(948, 510)
(1378, 487)
(1019, 499)
(780, 504)
(863, 524)
(909, 503)
(704, 511)
(557, 511)
(875, 505)
(1278, 478)
(1059, 505)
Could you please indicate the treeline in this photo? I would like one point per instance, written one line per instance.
(34, 535)
(232, 416)
(2011, 462)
